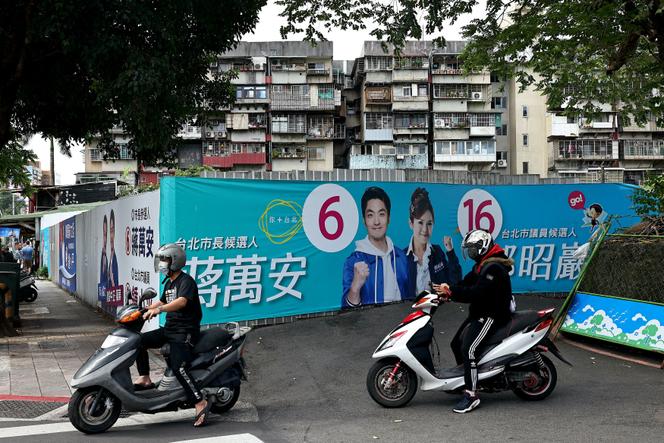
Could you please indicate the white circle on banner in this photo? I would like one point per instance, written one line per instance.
(478, 209)
(330, 218)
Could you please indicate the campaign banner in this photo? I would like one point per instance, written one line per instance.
(260, 249)
(127, 238)
(67, 254)
(627, 322)
(10, 232)
(46, 249)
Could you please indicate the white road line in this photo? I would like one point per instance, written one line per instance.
(243, 412)
(235, 438)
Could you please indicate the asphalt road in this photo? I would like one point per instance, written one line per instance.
(307, 384)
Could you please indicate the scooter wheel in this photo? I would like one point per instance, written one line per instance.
(395, 393)
(31, 295)
(541, 385)
(221, 406)
(103, 417)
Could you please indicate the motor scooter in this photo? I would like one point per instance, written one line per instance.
(509, 359)
(27, 290)
(104, 386)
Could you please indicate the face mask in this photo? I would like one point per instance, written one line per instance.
(163, 267)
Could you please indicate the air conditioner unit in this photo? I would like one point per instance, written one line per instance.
(221, 134)
(439, 123)
(476, 95)
(208, 133)
(400, 157)
(258, 66)
(502, 163)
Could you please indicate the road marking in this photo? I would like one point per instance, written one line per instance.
(243, 412)
(235, 438)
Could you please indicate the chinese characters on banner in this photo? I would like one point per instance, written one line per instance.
(67, 254)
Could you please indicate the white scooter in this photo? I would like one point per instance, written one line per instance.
(510, 358)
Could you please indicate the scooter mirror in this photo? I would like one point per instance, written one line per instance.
(148, 293)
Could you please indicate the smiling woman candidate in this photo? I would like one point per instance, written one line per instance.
(428, 263)
(377, 271)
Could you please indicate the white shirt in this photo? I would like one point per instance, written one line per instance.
(423, 279)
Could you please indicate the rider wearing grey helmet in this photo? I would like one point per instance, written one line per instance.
(182, 306)
(488, 289)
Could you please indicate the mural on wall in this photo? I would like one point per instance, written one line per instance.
(67, 254)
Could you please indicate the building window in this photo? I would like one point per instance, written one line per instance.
(95, 155)
(524, 111)
(525, 139)
(422, 90)
(377, 120)
(251, 92)
(289, 124)
(378, 63)
(316, 153)
(256, 120)
(407, 91)
(454, 90)
(488, 120)
(571, 119)
(494, 77)
(498, 102)
(502, 130)
(501, 155)
(410, 121)
(524, 165)
(450, 120)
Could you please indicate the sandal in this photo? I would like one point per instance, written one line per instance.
(142, 387)
(204, 413)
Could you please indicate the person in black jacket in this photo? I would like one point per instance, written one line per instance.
(488, 289)
(428, 263)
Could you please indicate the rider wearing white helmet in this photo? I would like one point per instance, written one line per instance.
(488, 289)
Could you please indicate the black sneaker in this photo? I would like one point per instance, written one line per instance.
(467, 403)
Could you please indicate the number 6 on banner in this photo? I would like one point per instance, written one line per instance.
(330, 218)
(479, 210)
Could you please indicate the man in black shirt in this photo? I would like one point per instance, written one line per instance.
(182, 306)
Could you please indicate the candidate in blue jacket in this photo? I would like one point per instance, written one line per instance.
(428, 263)
(377, 271)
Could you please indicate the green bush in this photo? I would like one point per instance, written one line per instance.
(42, 272)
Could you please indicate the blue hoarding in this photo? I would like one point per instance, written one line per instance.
(272, 248)
(67, 254)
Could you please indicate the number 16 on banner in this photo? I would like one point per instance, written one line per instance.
(330, 218)
(479, 210)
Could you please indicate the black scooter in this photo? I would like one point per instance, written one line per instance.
(104, 386)
(27, 290)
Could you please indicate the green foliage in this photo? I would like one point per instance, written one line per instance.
(135, 190)
(649, 198)
(578, 52)
(193, 171)
(6, 204)
(42, 272)
(76, 69)
(13, 159)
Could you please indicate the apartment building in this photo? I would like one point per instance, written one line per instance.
(123, 168)
(420, 111)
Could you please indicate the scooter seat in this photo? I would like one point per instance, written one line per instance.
(520, 320)
(212, 338)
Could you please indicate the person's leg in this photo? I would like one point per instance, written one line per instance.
(149, 340)
(181, 356)
(456, 342)
(476, 332)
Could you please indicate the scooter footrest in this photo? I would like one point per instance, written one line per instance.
(451, 372)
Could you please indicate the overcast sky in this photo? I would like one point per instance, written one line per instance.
(347, 46)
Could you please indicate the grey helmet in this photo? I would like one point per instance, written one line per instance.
(476, 244)
(173, 253)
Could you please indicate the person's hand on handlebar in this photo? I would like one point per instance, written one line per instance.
(152, 313)
(442, 290)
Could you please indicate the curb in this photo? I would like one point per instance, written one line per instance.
(34, 398)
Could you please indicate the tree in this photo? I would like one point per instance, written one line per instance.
(77, 68)
(579, 53)
(10, 204)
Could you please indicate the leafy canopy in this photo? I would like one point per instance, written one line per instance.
(580, 53)
(73, 69)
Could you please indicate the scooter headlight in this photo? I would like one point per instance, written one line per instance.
(113, 340)
(392, 340)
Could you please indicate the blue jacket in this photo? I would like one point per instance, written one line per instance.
(373, 291)
(443, 268)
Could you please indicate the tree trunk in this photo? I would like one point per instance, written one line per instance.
(52, 163)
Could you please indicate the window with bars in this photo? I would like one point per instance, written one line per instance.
(411, 148)
(410, 121)
(321, 127)
(216, 149)
(378, 120)
(362, 150)
(411, 63)
(450, 120)
(373, 63)
(450, 90)
(465, 147)
(251, 92)
(289, 123)
(483, 120)
(257, 120)
(95, 155)
(316, 153)
(580, 148)
(124, 153)
(499, 103)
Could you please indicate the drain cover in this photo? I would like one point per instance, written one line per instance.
(26, 409)
(53, 345)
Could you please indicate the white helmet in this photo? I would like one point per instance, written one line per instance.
(171, 253)
(476, 244)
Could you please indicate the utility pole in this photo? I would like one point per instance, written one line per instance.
(52, 162)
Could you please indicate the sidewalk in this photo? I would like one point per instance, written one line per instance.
(59, 333)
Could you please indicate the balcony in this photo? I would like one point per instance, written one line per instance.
(230, 160)
(388, 161)
(378, 134)
(644, 149)
(318, 71)
(410, 75)
(289, 152)
(323, 131)
(588, 149)
(465, 151)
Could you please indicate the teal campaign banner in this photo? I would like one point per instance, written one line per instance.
(627, 322)
(261, 249)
